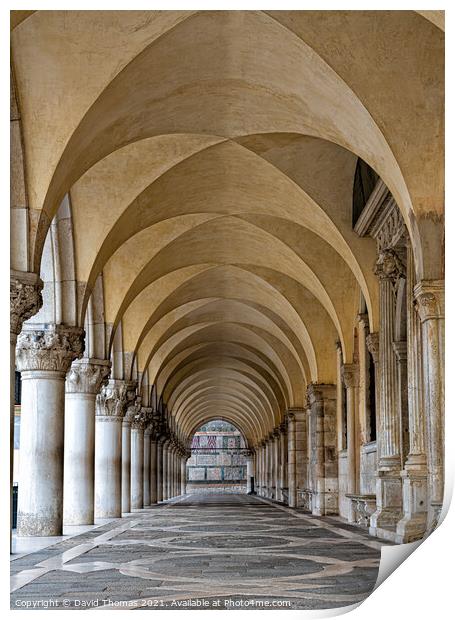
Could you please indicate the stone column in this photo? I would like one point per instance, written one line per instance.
(165, 470)
(153, 468)
(137, 461)
(126, 458)
(183, 474)
(261, 467)
(429, 295)
(83, 381)
(43, 357)
(111, 403)
(249, 474)
(25, 302)
(268, 468)
(389, 270)
(159, 469)
(170, 470)
(301, 463)
(322, 401)
(147, 458)
(283, 462)
(350, 375)
(276, 460)
(415, 475)
(292, 479)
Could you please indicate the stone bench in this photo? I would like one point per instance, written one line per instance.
(363, 506)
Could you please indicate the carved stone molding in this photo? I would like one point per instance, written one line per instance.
(350, 375)
(54, 348)
(389, 266)
(372, 341)
(430, 299)
(142, 418)
(25, 298)
(87, 376)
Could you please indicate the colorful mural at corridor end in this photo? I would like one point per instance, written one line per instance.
(218, 456)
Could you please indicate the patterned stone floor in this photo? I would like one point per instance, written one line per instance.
(203, 551)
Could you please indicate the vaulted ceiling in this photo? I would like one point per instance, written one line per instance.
(209, 160)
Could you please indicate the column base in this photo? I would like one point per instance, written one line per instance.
(413, 525)
(33, 525)
(384, 520)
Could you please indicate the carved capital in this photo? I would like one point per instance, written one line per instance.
(389, 266)
(25, 298)
(372, 341)
(350, 375)
(430, 299)
(283, 427)
(54, 348)
(112, 400)
(87, 376)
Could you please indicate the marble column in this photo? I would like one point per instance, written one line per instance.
(159, 469)
(126, 458)
(350, 376)
(25, 301)
(111, 404)
(249, 473)
(153, 469)
(183, 474)
(137, 461)
(275, 460)
(165, 470)
(283, 462)
(147, 450)
(429, 295)
(83, 381)
(170, 471)
(415, 474)
(292, 480)
(322, 402)
(43, 357)
(389, 270)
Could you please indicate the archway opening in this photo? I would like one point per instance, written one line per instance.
(218, 462)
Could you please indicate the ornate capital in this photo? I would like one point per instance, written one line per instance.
(283, 427)
(25, 298)
(389, 266)
(111, 401)
(350, 375)
(372, 341)
(142, 418)
(132, 409)
(87, 376)
(430, 299)
(54, 348)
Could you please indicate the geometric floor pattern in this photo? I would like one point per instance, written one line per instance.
(203, 551)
